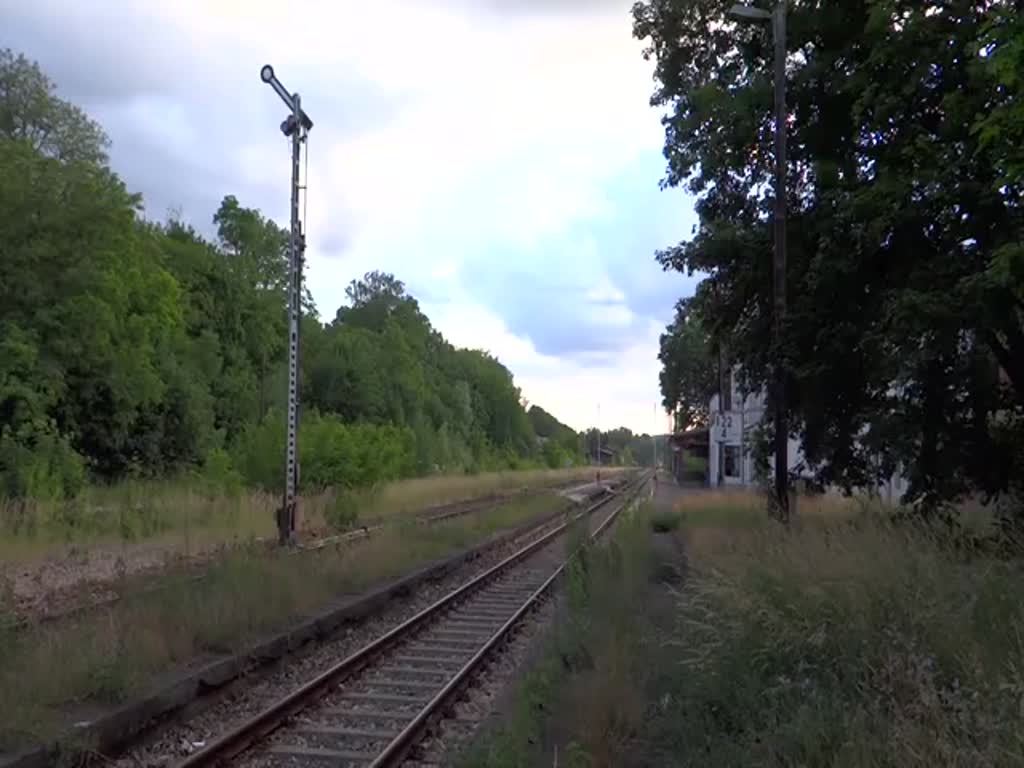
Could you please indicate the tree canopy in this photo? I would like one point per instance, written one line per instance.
(904, 340)
(689, 372)
(132, 348)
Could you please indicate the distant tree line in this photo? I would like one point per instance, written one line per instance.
(904, 340)
(130, 348)
(627, 448)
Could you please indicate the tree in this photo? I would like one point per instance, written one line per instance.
(98, 318)
(902, 303)
(129, 348)
(560, 442)
(1001, 128)
(31, 112)
(689, 372)
(375, 286)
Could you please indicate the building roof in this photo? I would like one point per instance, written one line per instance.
(690, 437)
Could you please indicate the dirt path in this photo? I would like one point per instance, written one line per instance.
(668, 491)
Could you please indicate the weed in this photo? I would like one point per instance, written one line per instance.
(848, 639)
(343, 510)
(665, 521)
(107, 656)
(592, 670)
(197, 514)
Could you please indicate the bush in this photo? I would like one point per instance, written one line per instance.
(44, 466)
(335, 454)
(554, 455)
(218, 476)
(331, 453)
(665, 521)
(343, 510)
(258, 452)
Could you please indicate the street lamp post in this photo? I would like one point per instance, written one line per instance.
(747, 13)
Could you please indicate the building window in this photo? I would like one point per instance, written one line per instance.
(732, 461)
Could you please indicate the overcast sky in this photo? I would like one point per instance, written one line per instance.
(499, 156)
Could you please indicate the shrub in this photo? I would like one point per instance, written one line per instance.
(42, 466)
(665, 521)
(343, 510)
(218, 476)
(258, 452)
(332, 453)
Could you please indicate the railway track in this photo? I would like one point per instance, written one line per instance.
(432, 516)
(374, 707)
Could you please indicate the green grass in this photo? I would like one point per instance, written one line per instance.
(665, 521)
(177, 515)
(696, 465)
(107, 657)
(847, 640)
(854, 642)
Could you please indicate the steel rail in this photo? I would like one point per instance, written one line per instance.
(265, 722)
(400, 747)
(355, 535)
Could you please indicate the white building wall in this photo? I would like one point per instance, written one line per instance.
(730, 443)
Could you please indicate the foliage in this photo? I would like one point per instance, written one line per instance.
(905, 227)
(561, 445)
(843, 641)
(44, 467)
(1001, 129)
(31, 113)
(590, 676)
(134, 349)
(382, 362)
(110, 656)
(688, 368)
(218, 475)
(627, 448)
(835, 643)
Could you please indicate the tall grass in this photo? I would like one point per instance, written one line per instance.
(846, 640)
(185, 517)
(50, 671)
(591, 675)
(417, 493)
(858, 642)
(180, 515)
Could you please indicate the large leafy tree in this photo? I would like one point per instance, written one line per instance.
(82, 296)
(128, 347)
(689, 372)
(902, 304)
(382, 361)
(31, 112)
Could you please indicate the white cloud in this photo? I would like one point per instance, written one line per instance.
(445, 133)
(621, 389)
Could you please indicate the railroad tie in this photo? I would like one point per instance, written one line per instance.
(315, 753)
(411, 685)
(396, 698)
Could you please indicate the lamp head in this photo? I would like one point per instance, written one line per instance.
(267, 73)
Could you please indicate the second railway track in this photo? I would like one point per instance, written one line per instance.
(374, 707)
(111, 596)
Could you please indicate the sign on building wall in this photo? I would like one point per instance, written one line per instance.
(726, 427)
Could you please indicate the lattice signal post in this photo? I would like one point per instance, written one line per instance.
(296, 127)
